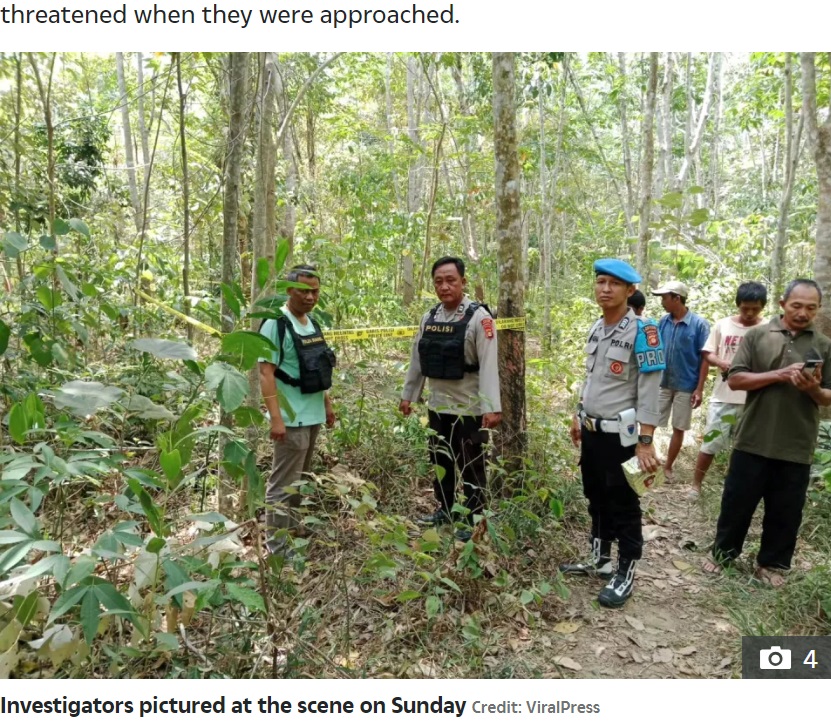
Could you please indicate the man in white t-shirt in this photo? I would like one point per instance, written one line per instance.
(726, 405)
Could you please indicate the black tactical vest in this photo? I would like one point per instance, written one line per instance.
(315, 358)
(441, 349)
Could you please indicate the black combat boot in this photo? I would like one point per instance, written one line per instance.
(600, 564)
(615, 593)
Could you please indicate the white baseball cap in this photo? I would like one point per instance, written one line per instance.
(673, 286)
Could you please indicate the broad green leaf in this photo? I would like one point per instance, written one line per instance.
(262, 272)
(70, 288)
(5, 334)
(699, 216)
(18, 423)
(450, 584)
(151, 510)
(47, 242)
(246, 416)
(10, 558)
(557, 508)
(280, 255)
(84, 398)
(14, 244)
(69, 599)
(26, 608)
(273, 302)
(230, 385)
(39, 349)
(175, 576)
(166, 349)
(245, 347)
(171, 462)
(248, 597)
(89, 616)
(24, 518)
(79, 226)
(256, 488)
(143, 407)
(231, 300)
(9, 537)
(82, 568)
(155, 545)
(60, 226)
(526, 597)
(432, 606)
(49, 298)
(696, 190)
(405, 596)
(111, 599)
(189, 586)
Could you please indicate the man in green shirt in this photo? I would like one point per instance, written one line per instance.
(302, 379)
(785, 367)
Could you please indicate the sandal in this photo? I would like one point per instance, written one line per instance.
(770, 577)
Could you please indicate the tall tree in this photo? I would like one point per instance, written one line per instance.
(793, 137)
(819, 140)
(183, 146)
(237, 84)
(512, 439)
(647, 162)
(128, 139)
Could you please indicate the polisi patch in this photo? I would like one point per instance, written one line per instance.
(616, 367)
(653, 339)
(487, 326)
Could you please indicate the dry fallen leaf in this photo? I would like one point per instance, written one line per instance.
(599, 649)
(659, 584)
(662, 655)
(635, 623)
(681, 565)
(687, 650)
(567, 626)
(636, 657)
(567, 662)
(725, 662)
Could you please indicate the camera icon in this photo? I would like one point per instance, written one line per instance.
(774, 658)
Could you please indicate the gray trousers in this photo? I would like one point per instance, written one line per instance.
(292, 458)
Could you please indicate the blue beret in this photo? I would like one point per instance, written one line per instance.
(617, 268)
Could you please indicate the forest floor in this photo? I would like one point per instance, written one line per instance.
(680, 622)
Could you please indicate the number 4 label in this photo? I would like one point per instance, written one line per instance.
(811, 659)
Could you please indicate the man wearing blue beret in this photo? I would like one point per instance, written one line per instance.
(623, 357)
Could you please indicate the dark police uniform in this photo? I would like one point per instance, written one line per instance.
(620, 391)
(457, 351)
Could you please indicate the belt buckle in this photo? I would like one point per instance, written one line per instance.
(590, 423)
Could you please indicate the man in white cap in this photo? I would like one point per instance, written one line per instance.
(684, 334)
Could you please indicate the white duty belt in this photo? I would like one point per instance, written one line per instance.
(598, 424)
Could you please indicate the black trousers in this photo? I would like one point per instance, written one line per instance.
(458, 441)
(783, 486)
(614, 507)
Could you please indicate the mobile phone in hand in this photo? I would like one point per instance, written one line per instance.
(811, 365)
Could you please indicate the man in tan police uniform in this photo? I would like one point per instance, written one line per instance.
(456, 349)
(621, 389)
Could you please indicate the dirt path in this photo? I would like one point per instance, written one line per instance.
(671, 627)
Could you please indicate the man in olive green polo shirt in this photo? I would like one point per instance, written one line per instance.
(785, 367)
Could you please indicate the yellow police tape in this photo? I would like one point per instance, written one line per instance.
(402, 331)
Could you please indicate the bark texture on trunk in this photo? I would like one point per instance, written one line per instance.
(647, 162)
(185, 194)
(819, 140)
(793, 137)
(511, 440)
(237, 82)
(128, 139)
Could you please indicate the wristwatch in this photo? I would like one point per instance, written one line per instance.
(645, 440)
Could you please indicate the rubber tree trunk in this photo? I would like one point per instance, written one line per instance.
(819, 140)
(647, 163)
(511, 440)
(237, 82)
(128, 139)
